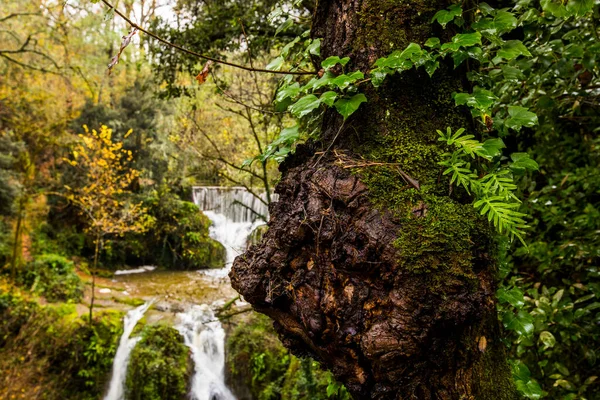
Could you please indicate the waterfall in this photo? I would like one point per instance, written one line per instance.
(116, 389)
(235, 203)
(229, 210)
(204, 335)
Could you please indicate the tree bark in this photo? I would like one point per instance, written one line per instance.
(372, 264)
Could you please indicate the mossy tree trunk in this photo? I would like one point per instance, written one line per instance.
(388, 282)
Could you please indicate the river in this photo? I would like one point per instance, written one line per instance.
(187, 299)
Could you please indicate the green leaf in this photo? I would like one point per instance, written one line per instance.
(328, 98)
(514, 297)
(463, 40)
(555, 7)
(276, 64)
(522, 161)
(343, 81)
(378, 75)
(502, 22)
(513, 49)
(445, 16)
(580, 7)
(547, 339)
(315, 84)
(522, 322)
(493, 147)
(315, 47)
(333, 60)
(284, 26)
(304, 105)
(285, 92)
(347, 107)
(530, 389)
(432, 42)
(519, 117)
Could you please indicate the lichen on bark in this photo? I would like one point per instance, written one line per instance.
(387, 283)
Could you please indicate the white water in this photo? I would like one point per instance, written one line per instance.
(145, 268)
(235, 203)
(204, 335)
(232, 223)
(116, 389)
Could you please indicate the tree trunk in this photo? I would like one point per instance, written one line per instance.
(387, 282)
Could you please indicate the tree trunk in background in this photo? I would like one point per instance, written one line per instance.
(390, 286)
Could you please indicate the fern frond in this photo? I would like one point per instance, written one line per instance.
(503, 215)
(499, 183)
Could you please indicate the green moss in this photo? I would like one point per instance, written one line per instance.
(382, 24)
(159, 367)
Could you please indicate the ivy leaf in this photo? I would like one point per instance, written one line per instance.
(513, 49)
(328, 98)
(378, 75)
(347, 107)
(315, 47)
(514, 297)
(445, 16)
(522, 322)
(556, 9)
(519, 117)
(502, 22)
(432, 42)
(290, 91)
(333, 60)
(343, 81)
(463, 40)
(305, 105)
(276, 64)
(522, 162)
(580, 7)
(315, 84)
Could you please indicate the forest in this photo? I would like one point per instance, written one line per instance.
(300, 199)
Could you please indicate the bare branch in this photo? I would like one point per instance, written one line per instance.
(195, 54)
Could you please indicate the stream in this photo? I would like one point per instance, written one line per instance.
(187, 299)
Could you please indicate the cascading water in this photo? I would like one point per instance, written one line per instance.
(204, 335)
(116, 390)
(235, 213)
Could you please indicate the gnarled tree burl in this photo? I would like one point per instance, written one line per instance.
(372, 264)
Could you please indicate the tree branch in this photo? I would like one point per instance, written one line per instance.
(195, 54)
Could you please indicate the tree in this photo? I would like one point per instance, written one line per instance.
(384, 274)
(103, 197)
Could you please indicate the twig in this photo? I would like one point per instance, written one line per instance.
(195, 54)
(331, 144)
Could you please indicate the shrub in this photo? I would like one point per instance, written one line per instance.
(54, 277)
(158, 368)
(50, 352)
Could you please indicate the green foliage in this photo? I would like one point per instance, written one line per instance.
(58, 355)
(492, 186)
(159, 367)
(215, 28)
(273, 373)
(54, 277)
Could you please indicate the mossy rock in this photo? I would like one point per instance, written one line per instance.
(159, 368)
